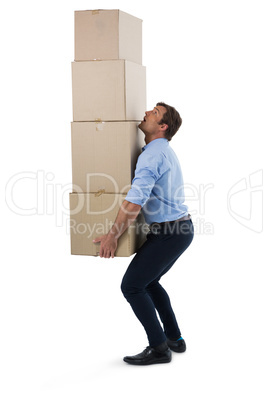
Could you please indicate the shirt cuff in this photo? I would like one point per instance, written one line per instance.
(136, 196)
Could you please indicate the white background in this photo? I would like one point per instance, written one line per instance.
(65, 325)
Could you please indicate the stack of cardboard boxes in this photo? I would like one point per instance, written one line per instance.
(109, 100)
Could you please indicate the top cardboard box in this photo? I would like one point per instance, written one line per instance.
(107, 35)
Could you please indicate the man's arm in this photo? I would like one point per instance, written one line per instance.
(126, 215)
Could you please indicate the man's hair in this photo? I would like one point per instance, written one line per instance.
(172, 118)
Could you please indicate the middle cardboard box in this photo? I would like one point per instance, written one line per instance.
(104, 155)
(108, 90)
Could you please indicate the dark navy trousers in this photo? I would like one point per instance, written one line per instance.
(140, 284)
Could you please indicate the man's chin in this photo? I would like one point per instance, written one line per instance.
(140, 125)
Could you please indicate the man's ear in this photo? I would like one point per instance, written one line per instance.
(164, 127)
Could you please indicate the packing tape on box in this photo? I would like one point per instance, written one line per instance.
(99, 126)
(100, 192)
(95, 12)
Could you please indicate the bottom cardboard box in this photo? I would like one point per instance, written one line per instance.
(92, 215)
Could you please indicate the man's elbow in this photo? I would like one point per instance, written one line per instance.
(130, 207)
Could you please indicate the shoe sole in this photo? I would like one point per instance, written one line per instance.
(176, 350)
(147, 363)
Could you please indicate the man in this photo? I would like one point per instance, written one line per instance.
(157, 189)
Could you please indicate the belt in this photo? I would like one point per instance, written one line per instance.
(161, 224)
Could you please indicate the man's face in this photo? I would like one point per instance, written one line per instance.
(149, 125)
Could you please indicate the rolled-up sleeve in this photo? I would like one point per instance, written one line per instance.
(148, 170)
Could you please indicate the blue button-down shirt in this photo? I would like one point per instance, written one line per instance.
(158, 183)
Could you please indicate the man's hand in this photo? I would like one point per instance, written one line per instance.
(108, 245)
(126, 215)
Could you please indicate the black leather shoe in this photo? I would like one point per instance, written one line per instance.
(177, 346)
(149, 356)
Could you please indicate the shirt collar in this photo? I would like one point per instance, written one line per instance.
(150, 143)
